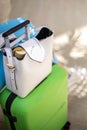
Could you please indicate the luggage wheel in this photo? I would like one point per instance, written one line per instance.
(67, 126)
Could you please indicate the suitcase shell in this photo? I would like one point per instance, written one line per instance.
(45, 108)
(4, 27)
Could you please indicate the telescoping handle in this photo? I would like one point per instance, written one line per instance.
(8, 50)
(14, 29)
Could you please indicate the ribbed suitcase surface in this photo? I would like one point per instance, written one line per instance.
(45, 108)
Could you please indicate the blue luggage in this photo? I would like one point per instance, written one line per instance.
(3, 28)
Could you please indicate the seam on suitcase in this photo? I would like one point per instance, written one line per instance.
(7, 110)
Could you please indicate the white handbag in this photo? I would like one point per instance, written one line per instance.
(23, 75)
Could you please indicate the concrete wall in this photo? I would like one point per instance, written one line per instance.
(60, 15)
(5, 9)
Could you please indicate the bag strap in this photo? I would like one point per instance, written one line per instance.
(8, 50)
(11, 67)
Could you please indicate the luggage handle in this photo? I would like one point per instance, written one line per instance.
(14, 29)
(8, 49)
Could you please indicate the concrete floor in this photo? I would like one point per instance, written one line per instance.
(68, 19)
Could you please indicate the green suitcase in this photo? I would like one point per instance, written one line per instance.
(45, 108)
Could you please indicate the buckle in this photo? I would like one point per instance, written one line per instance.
(11, 66)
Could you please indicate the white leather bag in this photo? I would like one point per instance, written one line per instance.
(22, 76)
